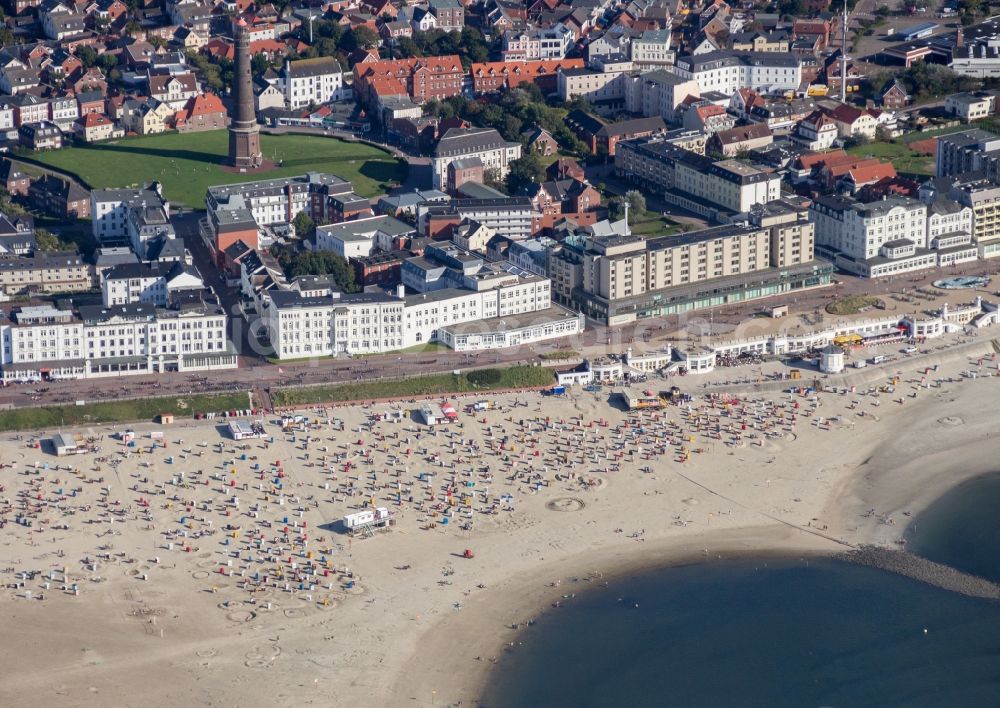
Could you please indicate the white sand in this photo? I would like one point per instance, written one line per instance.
(412, 637)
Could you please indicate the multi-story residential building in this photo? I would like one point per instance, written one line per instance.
(510, 217)
(603, 137)
(817, 132)
(63, 110)
(778, 41)
(881, 238)
(361, 237)
(971, 106)
(539, 43)
(695, 181)
(235, 211)
(658, 93)
(29, 108)
(301, 326)
(491, 76)
(40, 136)
(651, 50)
(969, 151)
(95, 341)
(450, 14)
(484, 306)
(620, 278)
(606, 81)
(311, 81)
(45, 272)
(978, 194)
(950, 227)
(493, 151)
(62, 198)
(727, 71)
(173, 89)
(109, 210)
(17, 236)
(852, 121)
(145, 224)
(744, 138)
(155, 283)
(419, 78)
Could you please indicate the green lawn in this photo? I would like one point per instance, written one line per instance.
(493, 379)
(188, 164)
(145, 409)
(902, 157)
(653, 225)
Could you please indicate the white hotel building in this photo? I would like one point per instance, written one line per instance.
(466, 320)
(97, 341)
(727, 71)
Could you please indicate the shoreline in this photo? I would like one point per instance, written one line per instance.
(405, 613)
(455, 642)
(451, 641)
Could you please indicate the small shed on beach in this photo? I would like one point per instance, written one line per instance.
(67, 444)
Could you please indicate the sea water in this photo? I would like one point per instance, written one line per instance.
(961, 528)
(789, 632)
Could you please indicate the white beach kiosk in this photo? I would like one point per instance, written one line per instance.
(367, 522)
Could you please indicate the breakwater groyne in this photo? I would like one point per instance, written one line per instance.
(924, 570)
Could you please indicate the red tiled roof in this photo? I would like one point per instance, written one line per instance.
(872, 173)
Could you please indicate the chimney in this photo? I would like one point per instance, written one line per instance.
(401, 291)
(959, 38)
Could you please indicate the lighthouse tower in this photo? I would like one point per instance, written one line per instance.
(244, 134)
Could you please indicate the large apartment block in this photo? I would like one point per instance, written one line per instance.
(45, 272)
(461, 300)
(694, 181)
(728, 71)
(881, 238)
(506, 216)
(94, 341)
(621, 278)
(969, 151)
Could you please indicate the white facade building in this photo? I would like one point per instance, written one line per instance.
(312, 82)
(109, 210)
(727, 71)
(114, 341)
(373, 323)
(484, 143)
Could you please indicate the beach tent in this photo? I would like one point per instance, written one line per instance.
(449, 411)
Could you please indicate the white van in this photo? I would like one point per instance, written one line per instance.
(878, 358)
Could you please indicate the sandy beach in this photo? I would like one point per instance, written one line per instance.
(274, 603)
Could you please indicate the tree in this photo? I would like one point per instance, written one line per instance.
(531, 91)
(616, 208)
(48, 241)
(295, 263)
(259, 64)
(132, 28)
(524, 171)
(106, 62)
(407, 48)
(636, 202)
(360, 37)
(491, 178)
(88, 56)
(304, 225)
(856, 141)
